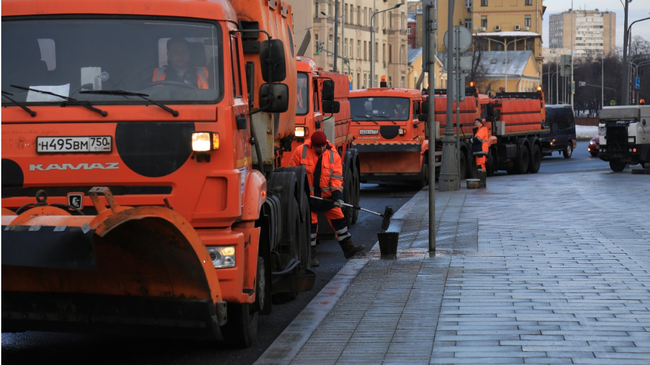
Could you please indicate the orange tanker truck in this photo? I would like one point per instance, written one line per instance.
(142, 191)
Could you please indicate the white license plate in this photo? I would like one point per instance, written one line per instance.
(368, 131)
(74, 144)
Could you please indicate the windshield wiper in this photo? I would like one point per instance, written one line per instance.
(23, 107)
(130, 93)
(73, 101)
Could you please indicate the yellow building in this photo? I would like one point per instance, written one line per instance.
(417, 79)
(498, 25)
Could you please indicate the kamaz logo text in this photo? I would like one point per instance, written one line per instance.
(69, 166)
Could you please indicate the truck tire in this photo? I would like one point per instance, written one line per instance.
(568, 151)
(351, 189)
(463, 166)
(490, 164)
(521, 163)
(423, 177)
(241, 329)
(617, 165)
(535, 159)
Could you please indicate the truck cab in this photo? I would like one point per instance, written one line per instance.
(389, 134)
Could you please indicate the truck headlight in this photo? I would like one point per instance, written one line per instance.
(301, 132)
(205, 141)
(222, 256)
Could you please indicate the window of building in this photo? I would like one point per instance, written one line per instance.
(365, 51)
(484, 2)
(527, 21)
(359, 50)
(483, 22)
(468, 24)
(529, 2)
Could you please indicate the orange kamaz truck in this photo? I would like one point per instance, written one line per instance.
(389, 134)
(142, 190)
(322, 105)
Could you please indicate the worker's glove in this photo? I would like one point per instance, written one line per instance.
(338, 203)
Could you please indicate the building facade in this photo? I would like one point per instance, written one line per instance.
(593, 31)
(315, 22)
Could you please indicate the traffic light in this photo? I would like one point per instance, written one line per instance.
(319, 47)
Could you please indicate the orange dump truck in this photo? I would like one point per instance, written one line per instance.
(142, 191)
(389, 134)
(515, 124)
(322, 105)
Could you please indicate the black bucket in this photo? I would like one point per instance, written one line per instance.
(388, 244)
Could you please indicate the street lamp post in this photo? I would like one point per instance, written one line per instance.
(336, 31)
(626, 50)
(372, 40)
(505, 45)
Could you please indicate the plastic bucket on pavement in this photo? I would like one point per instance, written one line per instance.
(388, 244)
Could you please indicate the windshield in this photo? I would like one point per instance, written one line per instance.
(86, 59)
(303, 94)
(381, 108)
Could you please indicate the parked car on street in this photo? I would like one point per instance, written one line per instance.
(593, 146)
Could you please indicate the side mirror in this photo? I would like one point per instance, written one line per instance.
(272, 61)
(328, 90)
(331, 106)
(274, 98)
(425, 107)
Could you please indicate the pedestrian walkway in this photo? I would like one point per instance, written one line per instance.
(535, 269)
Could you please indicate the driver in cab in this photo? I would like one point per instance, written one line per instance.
(179, 67)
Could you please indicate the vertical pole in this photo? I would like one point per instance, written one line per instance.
(625, 97)
(602, 81)
(458, 97)
(431, 125)
(505, 43)
(557, 83)
(336, 35)
(572, 87)
(448, 180)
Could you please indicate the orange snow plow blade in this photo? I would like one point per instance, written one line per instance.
(141, 271)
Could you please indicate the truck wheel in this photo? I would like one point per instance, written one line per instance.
(521, 164)
(568, 151)
(462, 166)
(490, 164)
(616, 165)
(241, 329)
(423, 178)
(263, 287)
(535, 159)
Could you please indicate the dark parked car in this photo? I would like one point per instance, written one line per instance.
(562, 125)
(593, 146)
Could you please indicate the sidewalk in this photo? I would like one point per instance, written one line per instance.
(535, 269)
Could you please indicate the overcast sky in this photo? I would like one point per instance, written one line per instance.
(638, 9)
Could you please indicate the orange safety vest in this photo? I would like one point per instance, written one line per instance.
(482, 134)
(331, 178)
(159, 74)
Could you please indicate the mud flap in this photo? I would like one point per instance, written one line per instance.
(56, 247)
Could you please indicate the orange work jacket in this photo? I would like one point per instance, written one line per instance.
(331, 178)
(159, 74)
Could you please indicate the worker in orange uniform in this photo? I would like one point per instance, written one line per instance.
(325, 176)
(479, 143)
(179, 67)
